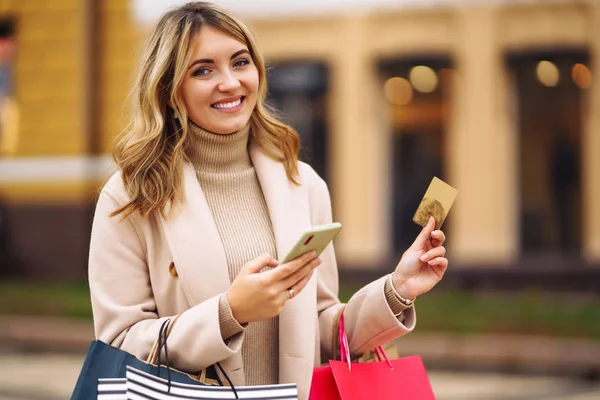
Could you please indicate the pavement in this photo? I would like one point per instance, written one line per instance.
(55, 376)
(50, 352)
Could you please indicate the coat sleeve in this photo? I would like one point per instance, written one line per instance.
(123, 305)
(369, 320)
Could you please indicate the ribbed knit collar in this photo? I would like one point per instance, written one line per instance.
(213, 152)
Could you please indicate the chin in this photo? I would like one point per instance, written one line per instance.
(227, 129)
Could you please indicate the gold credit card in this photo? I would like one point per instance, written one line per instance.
(436, 203)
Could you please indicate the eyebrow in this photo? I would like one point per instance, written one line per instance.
(211, 61)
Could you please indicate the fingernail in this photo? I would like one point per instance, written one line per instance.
(432, 262)
(424, 257)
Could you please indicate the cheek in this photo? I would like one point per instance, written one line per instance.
(252, 81)
(195, 94)
(255, 87)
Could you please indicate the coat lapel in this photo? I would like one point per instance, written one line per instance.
(196, 247)
(195, 244)
(290, 216)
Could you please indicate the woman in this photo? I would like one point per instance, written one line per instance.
(209, 194)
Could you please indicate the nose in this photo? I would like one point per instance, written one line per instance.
(228, 82)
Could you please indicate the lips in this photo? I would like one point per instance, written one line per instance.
(228, 104)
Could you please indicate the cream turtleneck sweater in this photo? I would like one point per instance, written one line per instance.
(234, 195)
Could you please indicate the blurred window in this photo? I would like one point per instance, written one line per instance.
(550, 90)
(417, 91)
(298, 90)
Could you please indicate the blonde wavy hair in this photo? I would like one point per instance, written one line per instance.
(151, 152)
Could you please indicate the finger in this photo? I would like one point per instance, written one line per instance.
(287, 269)
(421, 240)
(437, 238)
(441, 264)
(285, 295)
(298, 287)
(297, 276)
(259, 263)
(428, 245)
(439, 251)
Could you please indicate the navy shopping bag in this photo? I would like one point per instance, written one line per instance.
(104, 361)
(108, 362)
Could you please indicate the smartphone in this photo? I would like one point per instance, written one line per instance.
(315, 238)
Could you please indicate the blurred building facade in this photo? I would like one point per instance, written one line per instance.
(498, 100)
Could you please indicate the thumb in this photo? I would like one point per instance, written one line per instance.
(254, 266)
(425, 234)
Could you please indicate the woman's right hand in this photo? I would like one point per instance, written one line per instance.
(257, 296)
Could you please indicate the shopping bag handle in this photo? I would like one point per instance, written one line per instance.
(156, 348)
(345, 347)
(381, 353)
(161, 342)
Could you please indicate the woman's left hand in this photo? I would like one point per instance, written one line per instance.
(423, 265)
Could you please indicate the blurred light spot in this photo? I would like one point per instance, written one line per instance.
(547, 73)
(582, 76)
(423, 79)
(398, 91)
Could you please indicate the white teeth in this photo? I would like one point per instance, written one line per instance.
(228, 105)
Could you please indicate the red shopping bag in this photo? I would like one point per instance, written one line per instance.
(323, 385)
(402, 378)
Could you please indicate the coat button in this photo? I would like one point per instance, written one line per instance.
(173, 270)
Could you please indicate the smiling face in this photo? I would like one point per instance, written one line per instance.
(220, 86)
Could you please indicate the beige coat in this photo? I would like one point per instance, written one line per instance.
(132, 287)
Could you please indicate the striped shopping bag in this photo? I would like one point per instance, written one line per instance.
(112, 389)
(144, 386)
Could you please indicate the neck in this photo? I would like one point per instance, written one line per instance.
(213, 152)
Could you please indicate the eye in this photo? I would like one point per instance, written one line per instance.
(201, 71)
(241, 63)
